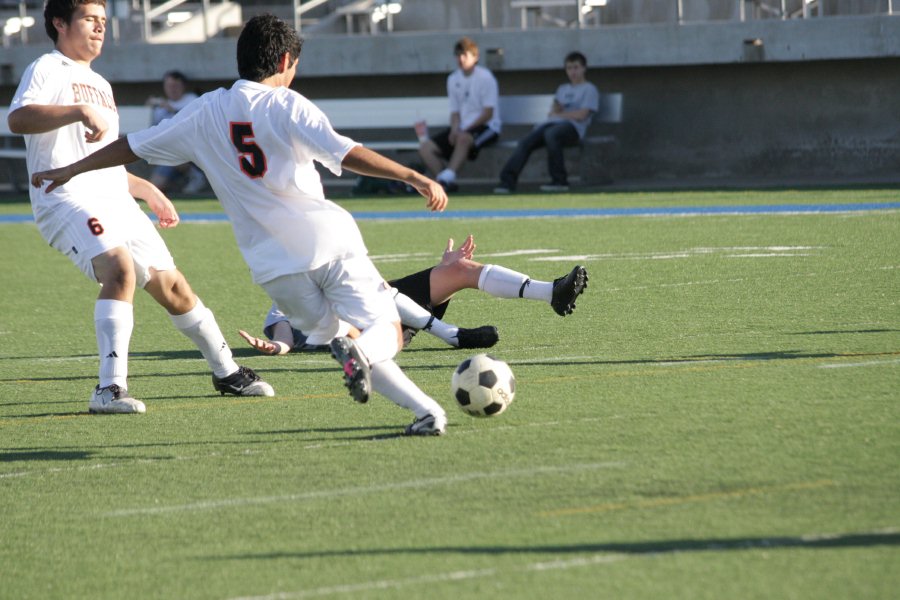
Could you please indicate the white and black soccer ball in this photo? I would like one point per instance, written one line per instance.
(483, 386)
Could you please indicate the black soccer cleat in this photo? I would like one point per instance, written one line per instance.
(357, 374)
(566, 289)
(479, 337)
(243, 382)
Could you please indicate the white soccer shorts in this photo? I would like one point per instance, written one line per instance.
(351, 290)
(83, 232)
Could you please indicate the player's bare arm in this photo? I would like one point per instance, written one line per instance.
(363, 161)
(158, 202)
(41, 118)
(484, 118)
(116, 154)
(265, 346)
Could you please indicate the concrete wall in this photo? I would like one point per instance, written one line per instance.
(813, 99)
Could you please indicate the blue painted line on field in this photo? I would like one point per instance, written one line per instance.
(572, 212)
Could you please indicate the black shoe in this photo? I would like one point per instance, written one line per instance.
(567, 289)
(357, 376)
(479, 337)
(243, 382)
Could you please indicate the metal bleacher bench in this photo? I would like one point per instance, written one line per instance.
(387, 124)
(382, 124)
(366, 117)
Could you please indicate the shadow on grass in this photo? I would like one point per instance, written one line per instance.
(847, 540)
(838, 332)
(45, 455)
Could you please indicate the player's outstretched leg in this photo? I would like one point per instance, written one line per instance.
(566, 289)
(357, 375)
(113, 399)
(243, 382)
(414, 316)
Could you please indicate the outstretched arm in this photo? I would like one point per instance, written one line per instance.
(116, 154)
(363, 161)
(161, 206)
(41, 118)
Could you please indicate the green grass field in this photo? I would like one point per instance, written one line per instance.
(719, 418)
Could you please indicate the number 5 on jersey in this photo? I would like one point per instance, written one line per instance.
(252, 158)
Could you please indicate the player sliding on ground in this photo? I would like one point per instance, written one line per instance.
(422, 299)
(256, 143)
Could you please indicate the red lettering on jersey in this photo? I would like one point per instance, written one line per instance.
(76, 93)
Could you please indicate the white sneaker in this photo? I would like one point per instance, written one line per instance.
(502, 189)
(114, 399)
(554, 187)
(428, 425)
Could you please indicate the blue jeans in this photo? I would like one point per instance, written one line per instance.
(555, 136)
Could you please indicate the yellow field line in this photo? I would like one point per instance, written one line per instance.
(675, 500)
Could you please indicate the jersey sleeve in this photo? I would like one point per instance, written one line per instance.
(168, 142)
(325, 145)
(490, 91)
(34, 87)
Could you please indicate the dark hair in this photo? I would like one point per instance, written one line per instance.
(175, 74)
(62, 9)
(466, 45)
(576, 57)
(262, 43)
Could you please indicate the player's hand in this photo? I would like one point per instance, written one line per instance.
(465, 251)
(265, 346)
(56, 177)
(433, 192)
(95, 126)
(163, 208)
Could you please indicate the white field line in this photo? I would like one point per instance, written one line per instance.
(359, 491)
(590, 560)
(869, 363)
(726, 251)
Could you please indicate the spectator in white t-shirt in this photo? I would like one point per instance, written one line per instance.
(574, 105)
(474, 117)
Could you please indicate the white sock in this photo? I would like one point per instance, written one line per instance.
(389, 381)
(501, 282)
(113, 324)
(413, 315)
(378, 342)
(200, 325)
(447, 176)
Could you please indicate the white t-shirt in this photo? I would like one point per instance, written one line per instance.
(257, 145)
(469, 96)
(55, 79)
(574, 97)
(162, 112)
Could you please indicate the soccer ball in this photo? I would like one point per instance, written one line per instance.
(483, 386)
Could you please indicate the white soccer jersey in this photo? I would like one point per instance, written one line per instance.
(257, 145)
(55, 79)
(469, 96)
